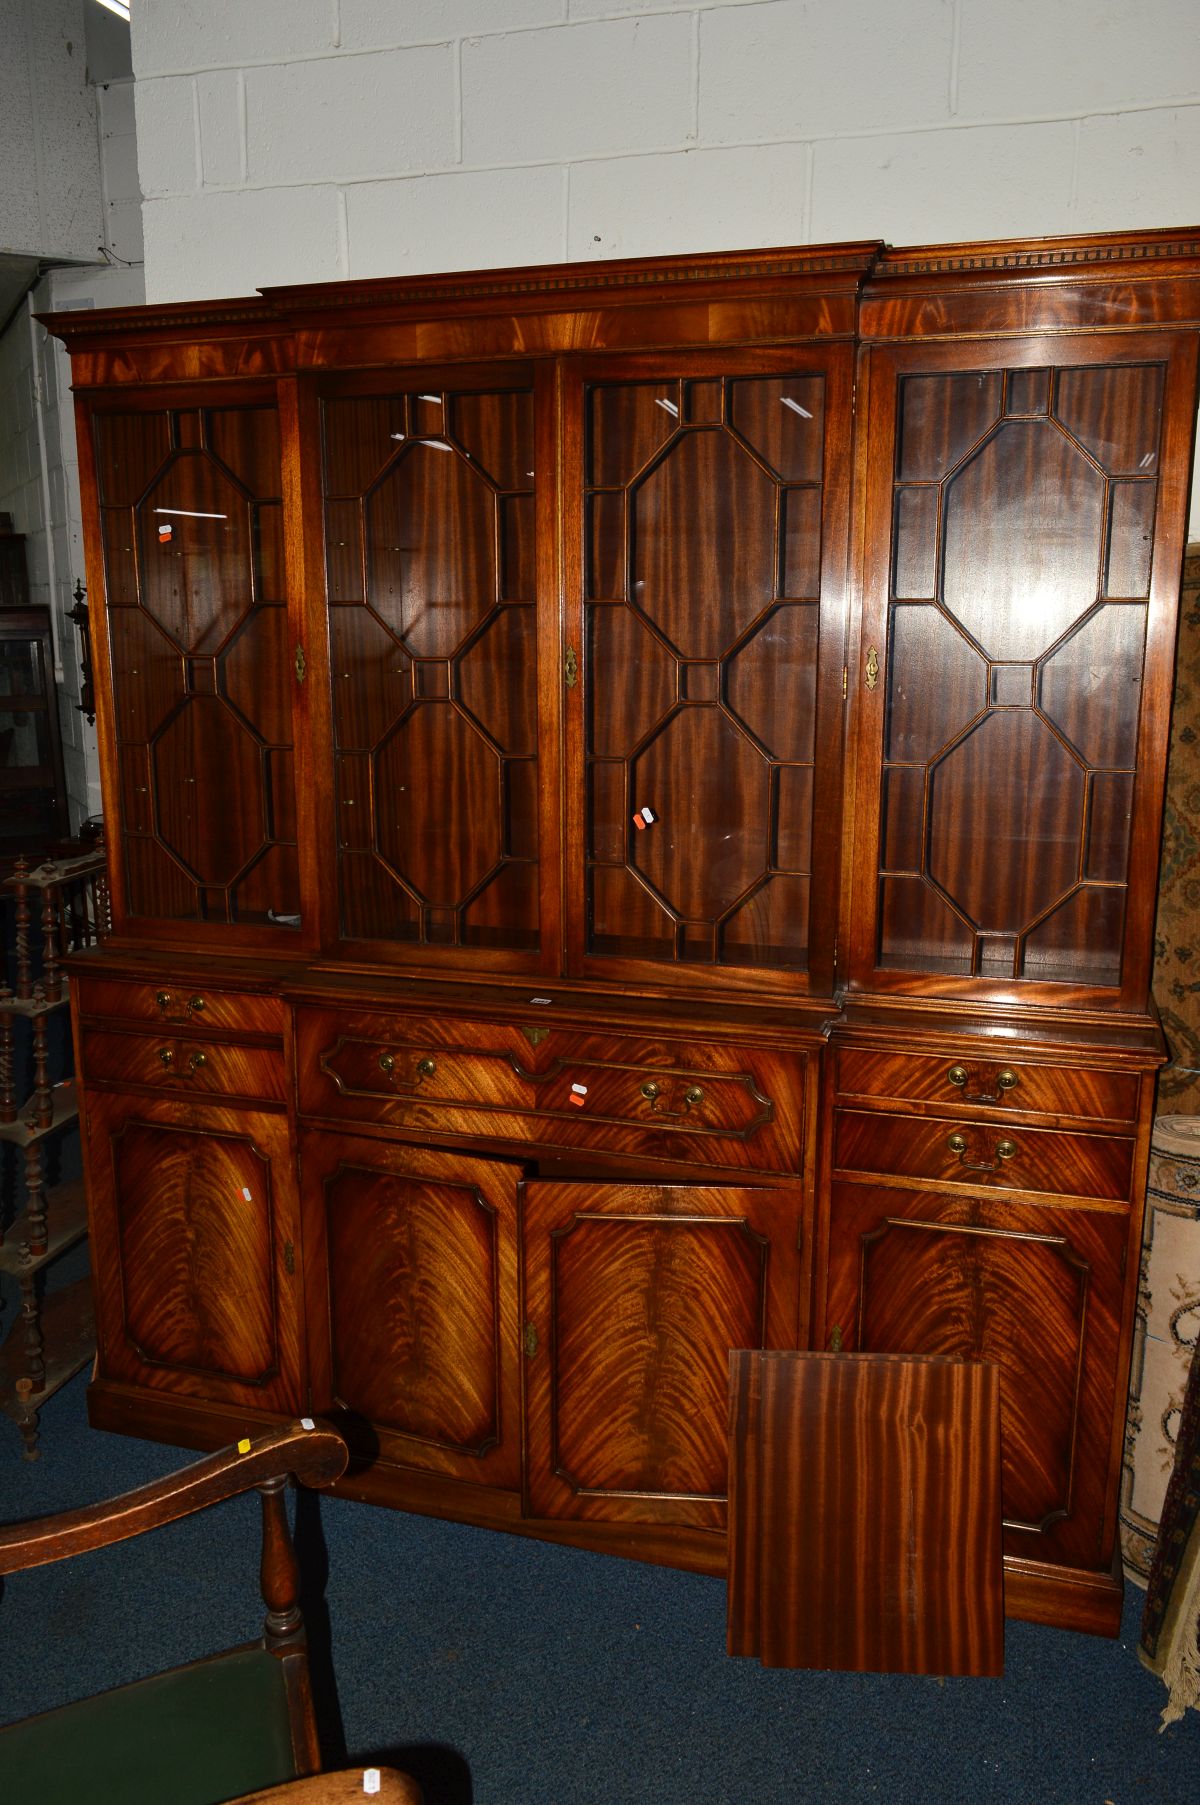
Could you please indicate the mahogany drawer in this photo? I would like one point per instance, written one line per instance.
(1014, 1085)
(195, 1007)
(721, 1105)
(1016, 1158)
(183, 1065)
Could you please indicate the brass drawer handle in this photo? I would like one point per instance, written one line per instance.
(425, 1067)
(693, 1097)
(195, 1061)
(1006, 1080)
(1003, 1150)
(164, 999)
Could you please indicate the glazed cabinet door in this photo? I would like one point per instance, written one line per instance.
(1037, 1290)
(193, 637)
(634, 1296)
(411, 1260)
(1025, 519)
(430, 489)
(195, 1250)
(704, 667)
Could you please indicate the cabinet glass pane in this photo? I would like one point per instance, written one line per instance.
(202, 666)
(430, 556)
(1023, 510)
(703, 558)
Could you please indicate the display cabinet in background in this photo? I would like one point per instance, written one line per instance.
(634, 794)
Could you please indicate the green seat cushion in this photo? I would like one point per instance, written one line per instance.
(190, 1737)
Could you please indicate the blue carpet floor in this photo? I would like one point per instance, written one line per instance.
(507, 1672)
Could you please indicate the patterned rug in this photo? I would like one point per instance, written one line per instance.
(1177, 926)
(1171, 1620)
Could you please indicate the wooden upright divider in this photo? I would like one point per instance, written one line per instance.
(864, 1513)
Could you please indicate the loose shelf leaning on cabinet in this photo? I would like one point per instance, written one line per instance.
(53, 1335)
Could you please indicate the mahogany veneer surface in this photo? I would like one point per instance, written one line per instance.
(864, 1513)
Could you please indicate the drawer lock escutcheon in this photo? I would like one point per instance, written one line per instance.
(959, 1146)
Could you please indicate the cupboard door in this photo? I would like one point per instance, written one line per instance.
(412, 1303)
(191, 530)
(432, 576)
(1015, 663)
(706, 732)
(1038, 1291)
(194, 1238)
(634, 1296)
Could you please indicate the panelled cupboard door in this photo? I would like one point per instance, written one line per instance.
(411, 1258)
(194, 639)
(1039, 1292)
(195, 1250)
(434, 564)
(706, 558)
(634, 1296)
(1023, 538)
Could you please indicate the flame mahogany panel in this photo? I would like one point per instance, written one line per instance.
(635, 1294)
(194, 1235)
(864, 1513)
(1038, 1291)
(414, 1331)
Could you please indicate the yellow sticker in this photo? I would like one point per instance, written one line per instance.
(244, 1445)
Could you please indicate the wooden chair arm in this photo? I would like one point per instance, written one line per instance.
(314, 1456)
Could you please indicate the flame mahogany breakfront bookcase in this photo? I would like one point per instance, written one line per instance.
(633, 795)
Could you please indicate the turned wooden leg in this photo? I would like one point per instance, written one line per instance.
(27, 1419)
(21, 917)
(42, 1101)
(35, 1208)
(280, 1572)
(8, 1080)
(35, 1350)
(51, 975)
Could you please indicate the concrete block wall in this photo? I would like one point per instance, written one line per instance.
(295, 140)
(39, 474)
(50, 186)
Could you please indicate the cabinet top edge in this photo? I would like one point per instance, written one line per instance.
(632, 281)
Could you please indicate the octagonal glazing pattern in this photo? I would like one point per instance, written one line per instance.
(433, 587)
(1023, 502)
(191, 508)
(703, 522)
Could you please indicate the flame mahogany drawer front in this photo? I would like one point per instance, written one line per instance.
(180, 1006)
(965, 1082)
(729, 1106)
(966, 1152)
(184, 1065)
